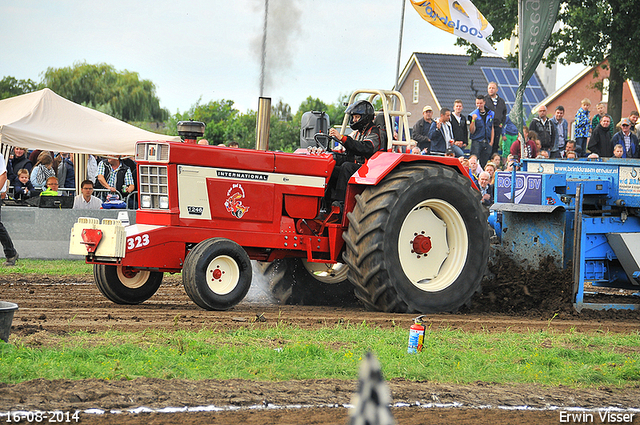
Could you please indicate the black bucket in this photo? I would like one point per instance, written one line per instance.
(6, 317)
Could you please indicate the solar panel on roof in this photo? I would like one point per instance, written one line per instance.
(512, 78)
(507, 79)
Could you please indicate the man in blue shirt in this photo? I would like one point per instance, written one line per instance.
(481, 129)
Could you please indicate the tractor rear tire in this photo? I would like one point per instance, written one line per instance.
(217, 274)
(124, 285)
(295, 281)
(418, 241)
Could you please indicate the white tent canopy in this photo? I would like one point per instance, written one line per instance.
(44, 120)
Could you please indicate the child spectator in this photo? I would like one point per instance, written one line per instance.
(23, 188)
(618, 150)
(19, 161)
(601, 108)
(571, 155)
(52, 187)
(582, 126)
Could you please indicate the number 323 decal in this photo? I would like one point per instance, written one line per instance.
(137, 242)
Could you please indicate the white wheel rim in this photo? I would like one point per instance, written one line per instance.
(327, 272)
(441, 236)
(133, 280)
(223, 274)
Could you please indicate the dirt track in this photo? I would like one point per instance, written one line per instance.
(60, 305)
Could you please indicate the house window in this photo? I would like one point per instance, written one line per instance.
(605, 90)
(416, 91)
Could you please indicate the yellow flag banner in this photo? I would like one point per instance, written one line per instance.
(458, 17)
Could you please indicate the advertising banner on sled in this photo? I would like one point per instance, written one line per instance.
(458, 17)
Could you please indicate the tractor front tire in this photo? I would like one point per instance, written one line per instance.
(217, 274)
(124, 285)
(418, 241)
(296, 281)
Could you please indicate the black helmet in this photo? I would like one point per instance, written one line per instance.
(366, 112)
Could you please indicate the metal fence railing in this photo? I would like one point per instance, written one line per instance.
(131, 200)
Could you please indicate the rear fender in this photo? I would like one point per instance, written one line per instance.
(382, 163)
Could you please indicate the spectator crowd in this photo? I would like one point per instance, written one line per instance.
(43, 173)
(486, 140)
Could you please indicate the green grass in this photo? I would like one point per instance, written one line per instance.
(54, 267)
(285, 352)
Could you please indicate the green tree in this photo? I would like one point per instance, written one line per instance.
(591, 31)
(10, 87)
(334, 110)
(104, 88)
(310, 104)
(283, 135)
(282, 111)
(243, 130)
(596, 30)
(216, 115)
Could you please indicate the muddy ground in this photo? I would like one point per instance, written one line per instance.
(520, 301)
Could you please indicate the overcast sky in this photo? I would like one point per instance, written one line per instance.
(210, 49)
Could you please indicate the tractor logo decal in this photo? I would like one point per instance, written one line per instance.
(233, 204)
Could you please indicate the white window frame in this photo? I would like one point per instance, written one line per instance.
(416, 91)
(605, 90)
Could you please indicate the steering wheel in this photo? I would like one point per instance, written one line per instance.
(326, 138)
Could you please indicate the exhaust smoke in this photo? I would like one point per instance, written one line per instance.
(274, 47)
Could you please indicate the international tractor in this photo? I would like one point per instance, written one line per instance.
(413, 236)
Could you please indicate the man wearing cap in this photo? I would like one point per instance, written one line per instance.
(627, 139)
(421, 129)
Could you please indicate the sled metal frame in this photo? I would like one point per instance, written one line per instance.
(584, 229)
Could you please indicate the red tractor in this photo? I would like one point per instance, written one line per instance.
(413, 236)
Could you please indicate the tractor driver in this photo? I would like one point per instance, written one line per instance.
(359, 146)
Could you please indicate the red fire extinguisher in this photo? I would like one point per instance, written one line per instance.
(416, 336)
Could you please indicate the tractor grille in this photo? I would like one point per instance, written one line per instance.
(154, 187)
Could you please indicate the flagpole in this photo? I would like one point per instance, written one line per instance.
(520, 81)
